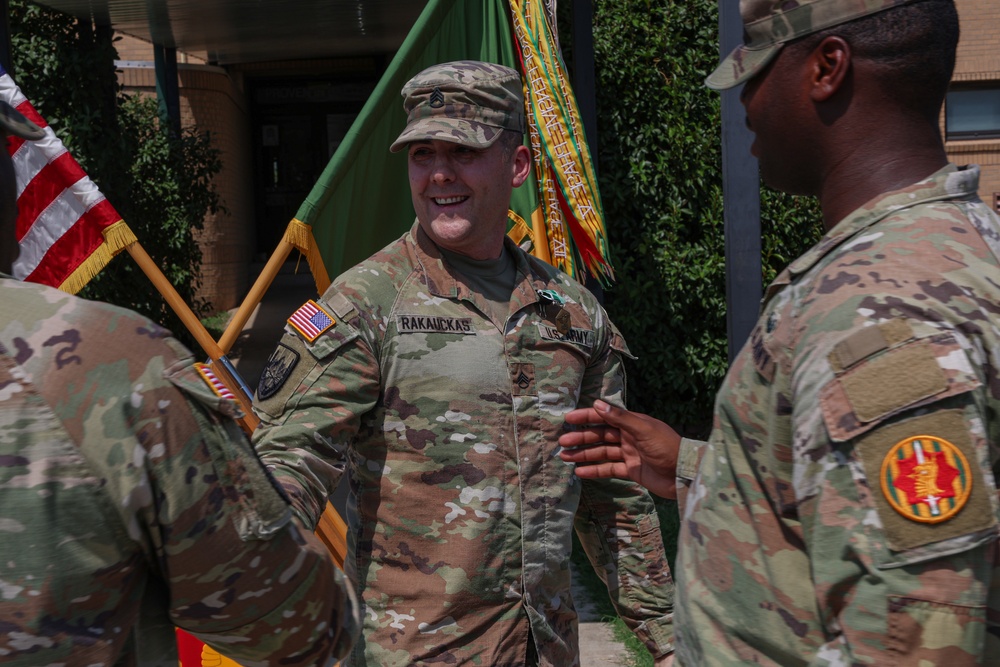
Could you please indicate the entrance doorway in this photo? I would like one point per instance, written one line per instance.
(297, 127)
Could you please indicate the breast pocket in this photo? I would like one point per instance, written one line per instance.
(559, 362)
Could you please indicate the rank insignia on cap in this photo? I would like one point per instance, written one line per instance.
(210, 378)
(437, 98)
(926, 479)
(311, 320)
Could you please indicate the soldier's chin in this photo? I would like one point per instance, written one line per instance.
(451, 226)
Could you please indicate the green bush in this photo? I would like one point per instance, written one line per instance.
(171, 191)
(659, 163)
(160, 184)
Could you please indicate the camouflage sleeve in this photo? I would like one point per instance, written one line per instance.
(311, 399)
(901, 533)
(688, 460)
(138, 504)
(618, 526)
(241, 576)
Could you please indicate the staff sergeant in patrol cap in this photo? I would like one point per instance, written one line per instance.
(436, 374)
(130, 502)
(845, 508)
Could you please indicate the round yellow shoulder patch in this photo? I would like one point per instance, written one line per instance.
(926, 479)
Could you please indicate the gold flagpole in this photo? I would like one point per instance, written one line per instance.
(331, 528)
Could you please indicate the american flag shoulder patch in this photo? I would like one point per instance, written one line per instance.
(311, 320)
(212, 380)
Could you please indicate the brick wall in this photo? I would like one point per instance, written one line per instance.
(134, 49)
(212, 100)
(979, 60)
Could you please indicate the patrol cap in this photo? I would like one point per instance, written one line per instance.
(13, 122)
(466, 102)
(770, 24)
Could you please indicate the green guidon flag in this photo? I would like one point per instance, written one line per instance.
(361, 201)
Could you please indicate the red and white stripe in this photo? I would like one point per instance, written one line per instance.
(311, 320)
(214, 382)
(61, 213)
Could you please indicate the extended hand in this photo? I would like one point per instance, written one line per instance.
(628, 445)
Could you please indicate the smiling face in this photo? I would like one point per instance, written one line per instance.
(461, 194)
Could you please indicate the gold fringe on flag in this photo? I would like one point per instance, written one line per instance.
(567, 182)
(520, 232)
(300, 235)
(117, 237)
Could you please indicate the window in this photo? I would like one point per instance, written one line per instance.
(973, 113)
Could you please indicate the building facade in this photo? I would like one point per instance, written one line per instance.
(971, 118)
(276, 124)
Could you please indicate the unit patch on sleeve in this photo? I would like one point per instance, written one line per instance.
(279, 367)
(926, 482)
(311, 320)
(926, 479)
(425, 324)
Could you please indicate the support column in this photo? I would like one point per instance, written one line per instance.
(167, 86)
(5, 50)
(584, 80)
(741, 199)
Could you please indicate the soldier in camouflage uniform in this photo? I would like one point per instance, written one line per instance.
(845, 511)
(130, 502)
(437, 374)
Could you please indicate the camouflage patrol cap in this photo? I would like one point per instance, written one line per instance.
(466, 102)
(13, 122)
(770, 24)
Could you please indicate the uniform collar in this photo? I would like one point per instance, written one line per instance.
(442, 281)
(950, 182)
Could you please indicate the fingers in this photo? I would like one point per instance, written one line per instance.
(596, 454)
(602, 471)
(632, 422)
(583, 416)
(592, 435)
(601, 413)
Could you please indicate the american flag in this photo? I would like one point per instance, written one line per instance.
(311, 320)
(66, 229)
(214, 382)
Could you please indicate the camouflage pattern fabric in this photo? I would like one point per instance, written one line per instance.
(845, 511)
(465, 102)
(769, 24)
(130, 504)
(460, 513)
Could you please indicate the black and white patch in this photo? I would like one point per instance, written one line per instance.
(279, 367)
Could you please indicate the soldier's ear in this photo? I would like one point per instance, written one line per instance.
(521, 165)
(828, 66)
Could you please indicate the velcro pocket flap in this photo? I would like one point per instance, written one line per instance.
(895, 376)
(331, 341)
